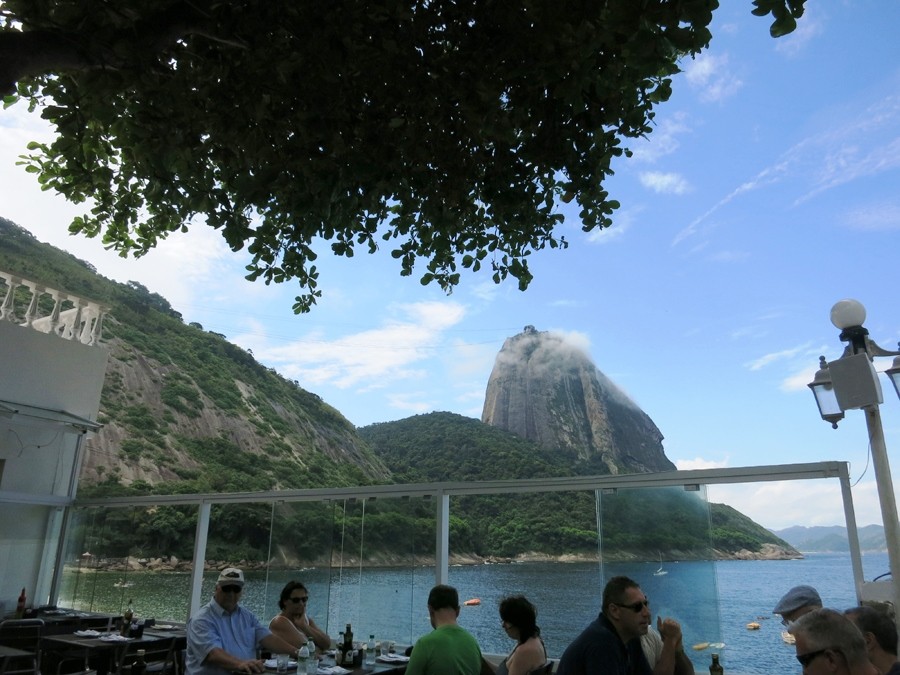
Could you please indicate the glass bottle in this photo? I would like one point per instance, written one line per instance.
(370, 651)
(715, 668)
(20, 605)
(126, 619)
(140, 665)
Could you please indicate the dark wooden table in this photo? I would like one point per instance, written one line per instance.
(103, 654)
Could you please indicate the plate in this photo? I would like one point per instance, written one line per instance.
(87, 633)
(163, 626)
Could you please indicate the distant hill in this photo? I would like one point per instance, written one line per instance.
(832, 538)
(642, 525)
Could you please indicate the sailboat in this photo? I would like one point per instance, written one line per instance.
(660, 572)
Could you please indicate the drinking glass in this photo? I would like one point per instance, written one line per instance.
(281, 662)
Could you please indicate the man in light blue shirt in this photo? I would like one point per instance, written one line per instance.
(222, 637)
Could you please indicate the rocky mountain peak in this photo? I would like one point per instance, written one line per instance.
(545, 388)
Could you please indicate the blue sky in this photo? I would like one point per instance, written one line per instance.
(767, 192)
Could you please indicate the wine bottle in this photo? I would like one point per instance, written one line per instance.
(126, 619)
(20, 605)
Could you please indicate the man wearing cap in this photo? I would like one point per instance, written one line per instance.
(222, 637)
(796, 602)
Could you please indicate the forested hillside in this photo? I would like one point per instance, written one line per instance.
(185, 411)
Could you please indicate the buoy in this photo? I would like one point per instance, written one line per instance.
(472, 601)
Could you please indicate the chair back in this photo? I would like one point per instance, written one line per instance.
(545, 669)
(24, 634)
(159, 655)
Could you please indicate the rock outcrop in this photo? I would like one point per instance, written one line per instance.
(549, 391)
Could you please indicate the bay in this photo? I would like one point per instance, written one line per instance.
(714, 601)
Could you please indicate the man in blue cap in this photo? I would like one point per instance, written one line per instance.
(796, 602)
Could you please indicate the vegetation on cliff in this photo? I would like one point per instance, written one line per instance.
(185, 411)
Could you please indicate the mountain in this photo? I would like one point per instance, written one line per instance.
(550, 392)
(183, 409)
(832, 538)
(186, 411)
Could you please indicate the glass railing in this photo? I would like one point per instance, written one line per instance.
(369, 556)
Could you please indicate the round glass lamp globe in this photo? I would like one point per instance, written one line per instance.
(848, 313)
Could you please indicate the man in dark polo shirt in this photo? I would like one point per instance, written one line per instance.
(611, 644)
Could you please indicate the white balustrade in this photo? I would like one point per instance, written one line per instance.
(72, 317)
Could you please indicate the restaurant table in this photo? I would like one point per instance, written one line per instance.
(69, 620)
(102, 654)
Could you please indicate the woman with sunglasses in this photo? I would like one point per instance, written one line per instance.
(293, 624)
(519, 619)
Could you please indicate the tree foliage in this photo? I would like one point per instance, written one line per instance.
(446, 132)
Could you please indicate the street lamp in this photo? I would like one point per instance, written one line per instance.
(851, 382)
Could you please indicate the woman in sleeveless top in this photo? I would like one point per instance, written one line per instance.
(294, 625)
(519, 619)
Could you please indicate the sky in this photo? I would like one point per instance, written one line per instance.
(767, 192)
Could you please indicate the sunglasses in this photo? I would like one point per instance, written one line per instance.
(231, 589)
(634, 606)
(809, 657)
(296, 600)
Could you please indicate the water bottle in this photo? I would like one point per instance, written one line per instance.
(312, 666)
(370, 651)
(303, 660)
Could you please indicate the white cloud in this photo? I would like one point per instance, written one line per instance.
(878, 217)
(664, 183)
(623, 220)
(808, 28)
(700, 463)
(711, 75)
(663, 140)
(729, 256)
(411, 334)
(778, 504)
(766, 359)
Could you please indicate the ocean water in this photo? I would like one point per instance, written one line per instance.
(714, 601)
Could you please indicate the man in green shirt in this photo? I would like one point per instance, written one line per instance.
(449, 649)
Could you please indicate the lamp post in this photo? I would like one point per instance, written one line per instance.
(851, 382)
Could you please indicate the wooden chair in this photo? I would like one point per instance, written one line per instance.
(24, 634)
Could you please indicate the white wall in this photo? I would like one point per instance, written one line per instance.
(39, 457)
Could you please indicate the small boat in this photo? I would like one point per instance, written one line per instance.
(471, 602)
(123, 584)
(700, 646)
(660, 572)
(753, 625)
(788, 638)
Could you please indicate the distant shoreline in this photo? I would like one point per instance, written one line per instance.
(173, 564)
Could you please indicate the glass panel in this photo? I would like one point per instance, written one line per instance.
(141, 553)
(383, 568)
(302, 542)
(558, 571)
(27, 541)
(240, 535)
(660, 538)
